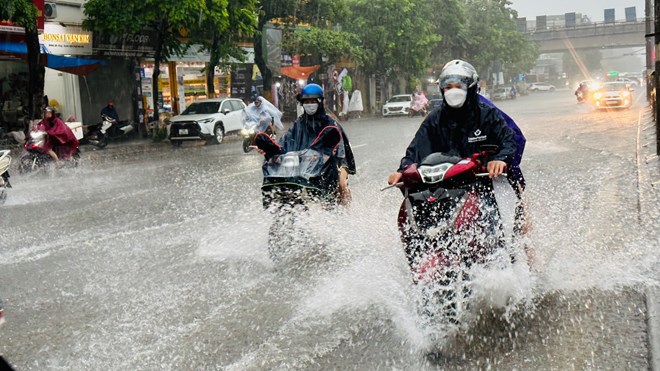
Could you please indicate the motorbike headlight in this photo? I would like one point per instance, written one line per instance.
(434, 174)
(244, 132)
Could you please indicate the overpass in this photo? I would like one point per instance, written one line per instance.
(590, 36)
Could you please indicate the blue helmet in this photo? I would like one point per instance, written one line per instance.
(311, 91)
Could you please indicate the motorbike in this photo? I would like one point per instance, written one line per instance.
(35, 159)
(581, 95)
(419, 106)
(291, 181)
(453, 219)
(109, 129)
(5, 161)
(252, 125)
(250, 134)
(415, 111)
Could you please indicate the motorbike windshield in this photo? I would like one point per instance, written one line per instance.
(305, 164)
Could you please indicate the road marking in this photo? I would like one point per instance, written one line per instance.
(359, 145)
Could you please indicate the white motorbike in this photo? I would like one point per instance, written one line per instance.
(5, 161)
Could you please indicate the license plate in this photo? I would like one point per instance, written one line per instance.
(183, 131)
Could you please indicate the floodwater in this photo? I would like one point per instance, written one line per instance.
(158, 260)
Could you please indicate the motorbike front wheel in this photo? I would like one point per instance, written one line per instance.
(247, 142)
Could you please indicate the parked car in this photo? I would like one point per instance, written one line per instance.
(633, 82)
(541, 86)
(503, 93)
(209, 119)
(397, 105)
(435, 100)
(613, 95)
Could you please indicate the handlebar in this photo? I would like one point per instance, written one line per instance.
(400, 184)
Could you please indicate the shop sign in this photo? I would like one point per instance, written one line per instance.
(6, 26)
(69, 40)
(135, 45)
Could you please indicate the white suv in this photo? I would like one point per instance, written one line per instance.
(208, 119)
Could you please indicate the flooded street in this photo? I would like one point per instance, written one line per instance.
(159, 261)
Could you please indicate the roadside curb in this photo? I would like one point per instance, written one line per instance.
(648, 171)
(653, 324)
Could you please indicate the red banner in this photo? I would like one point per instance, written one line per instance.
(10, 27)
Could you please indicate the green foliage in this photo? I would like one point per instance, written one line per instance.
(324, 42)
(396, 35)
(167, 18)
(491, 35)
(21, 12)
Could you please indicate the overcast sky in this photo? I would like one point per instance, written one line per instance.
(592, 8)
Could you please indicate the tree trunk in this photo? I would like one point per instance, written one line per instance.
(210, 71)
(36, 76)
(266, 74)
(158, 55)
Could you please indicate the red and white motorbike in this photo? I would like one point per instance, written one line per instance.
(453, 218)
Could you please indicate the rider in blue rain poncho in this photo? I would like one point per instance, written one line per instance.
(317, 130)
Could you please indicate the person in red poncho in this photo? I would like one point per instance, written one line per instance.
(61, 143)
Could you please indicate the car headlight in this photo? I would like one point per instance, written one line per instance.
(205, 121)
(434, 174)
(598, 95)
(626, 93)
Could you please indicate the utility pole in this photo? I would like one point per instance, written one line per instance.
(648, 12)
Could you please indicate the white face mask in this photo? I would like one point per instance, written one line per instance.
(455, 97)
(310, 108)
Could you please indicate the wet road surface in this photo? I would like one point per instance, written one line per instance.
(158, 261)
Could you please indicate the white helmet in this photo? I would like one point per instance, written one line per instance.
(458, 71)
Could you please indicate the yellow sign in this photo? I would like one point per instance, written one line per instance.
(70, 38)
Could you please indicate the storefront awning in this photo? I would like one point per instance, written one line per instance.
(298, 72)
(76, 66)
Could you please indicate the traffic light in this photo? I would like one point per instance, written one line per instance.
(613, 73)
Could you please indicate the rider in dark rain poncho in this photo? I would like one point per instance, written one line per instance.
(462, 124)
(317, 130)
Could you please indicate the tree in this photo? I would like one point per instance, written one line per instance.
(328, 43)
(315, 13)
(491, 36)
(24, 14)
(224, 23)
(166, 18)
(397, 36)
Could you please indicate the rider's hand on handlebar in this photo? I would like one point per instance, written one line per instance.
(495, 168)
(258, 150)
(394, 178)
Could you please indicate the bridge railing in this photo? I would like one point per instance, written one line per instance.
(590, 25)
